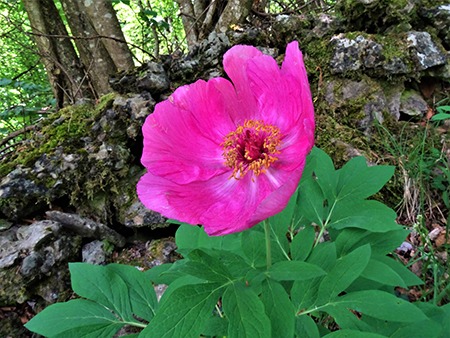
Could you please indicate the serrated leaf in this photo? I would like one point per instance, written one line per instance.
(245, 312)
(364, 214)
(142, 294)
(103, 286)
(253, 244)
(379, 304)
(302, 243)
(74, 314)
(305, 327)
(185, 313)
(353, 334)
(204, 266)
(294, 270)
(382, 273)
(278, 308)
(346, 270)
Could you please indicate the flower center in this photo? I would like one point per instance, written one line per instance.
(252, 146)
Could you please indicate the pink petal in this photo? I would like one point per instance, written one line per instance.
(182, 137)
(235, 64)
(293, 65)
(222, 205)
(278, 199)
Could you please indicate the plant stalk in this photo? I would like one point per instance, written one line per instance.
(268, 248)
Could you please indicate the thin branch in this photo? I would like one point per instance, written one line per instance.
(15, 134)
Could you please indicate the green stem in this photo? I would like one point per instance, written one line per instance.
(268, 248)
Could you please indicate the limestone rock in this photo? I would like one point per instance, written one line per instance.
(94, 253)
(425, 53)
(412, 103)
(86, 227)
(154, 80)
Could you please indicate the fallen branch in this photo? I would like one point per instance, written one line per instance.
(16, 133)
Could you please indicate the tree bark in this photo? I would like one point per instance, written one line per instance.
(58, 54)
(97, 61)
(105, 22)
(201, 17)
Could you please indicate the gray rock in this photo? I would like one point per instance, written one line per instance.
(154, 80)
(412, 103)
(325, 24)
(29, 254)
(138, 215)
(94, 253)
(345, 54)
(86, 227)
(393, 95)
(425, 52)
(137, 106)
(439, 18)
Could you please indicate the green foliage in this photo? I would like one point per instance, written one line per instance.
(349, 279)
(24, 86)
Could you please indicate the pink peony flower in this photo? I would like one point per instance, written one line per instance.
(225, 156)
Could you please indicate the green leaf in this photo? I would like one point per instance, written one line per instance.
(364, 214)
(154, 274)
(294, 270)
(302, 243)
(91, 331)
(103, 286)
(305, 327)
(74, 314)
(346, 270)
(440, 117)
(347, 240)
(280, 223)
(215, 326)
(382, 273)
(311, 201)
(384, 243)
(278, 308)
(358, 181)
(5, 82)
(353, 334)
(185, 313)
(178, 283)
(425, 328)
(304, 293)
(189, 237)
(253, 244)
(327, 176)
(347, 319)
(204, 266)
(245, 312)
(379, 304)
(408, 277)
(142, 293)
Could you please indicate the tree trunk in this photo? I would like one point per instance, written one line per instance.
(105, 22)
(58, 54)
(201, 17)
(96, 59)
